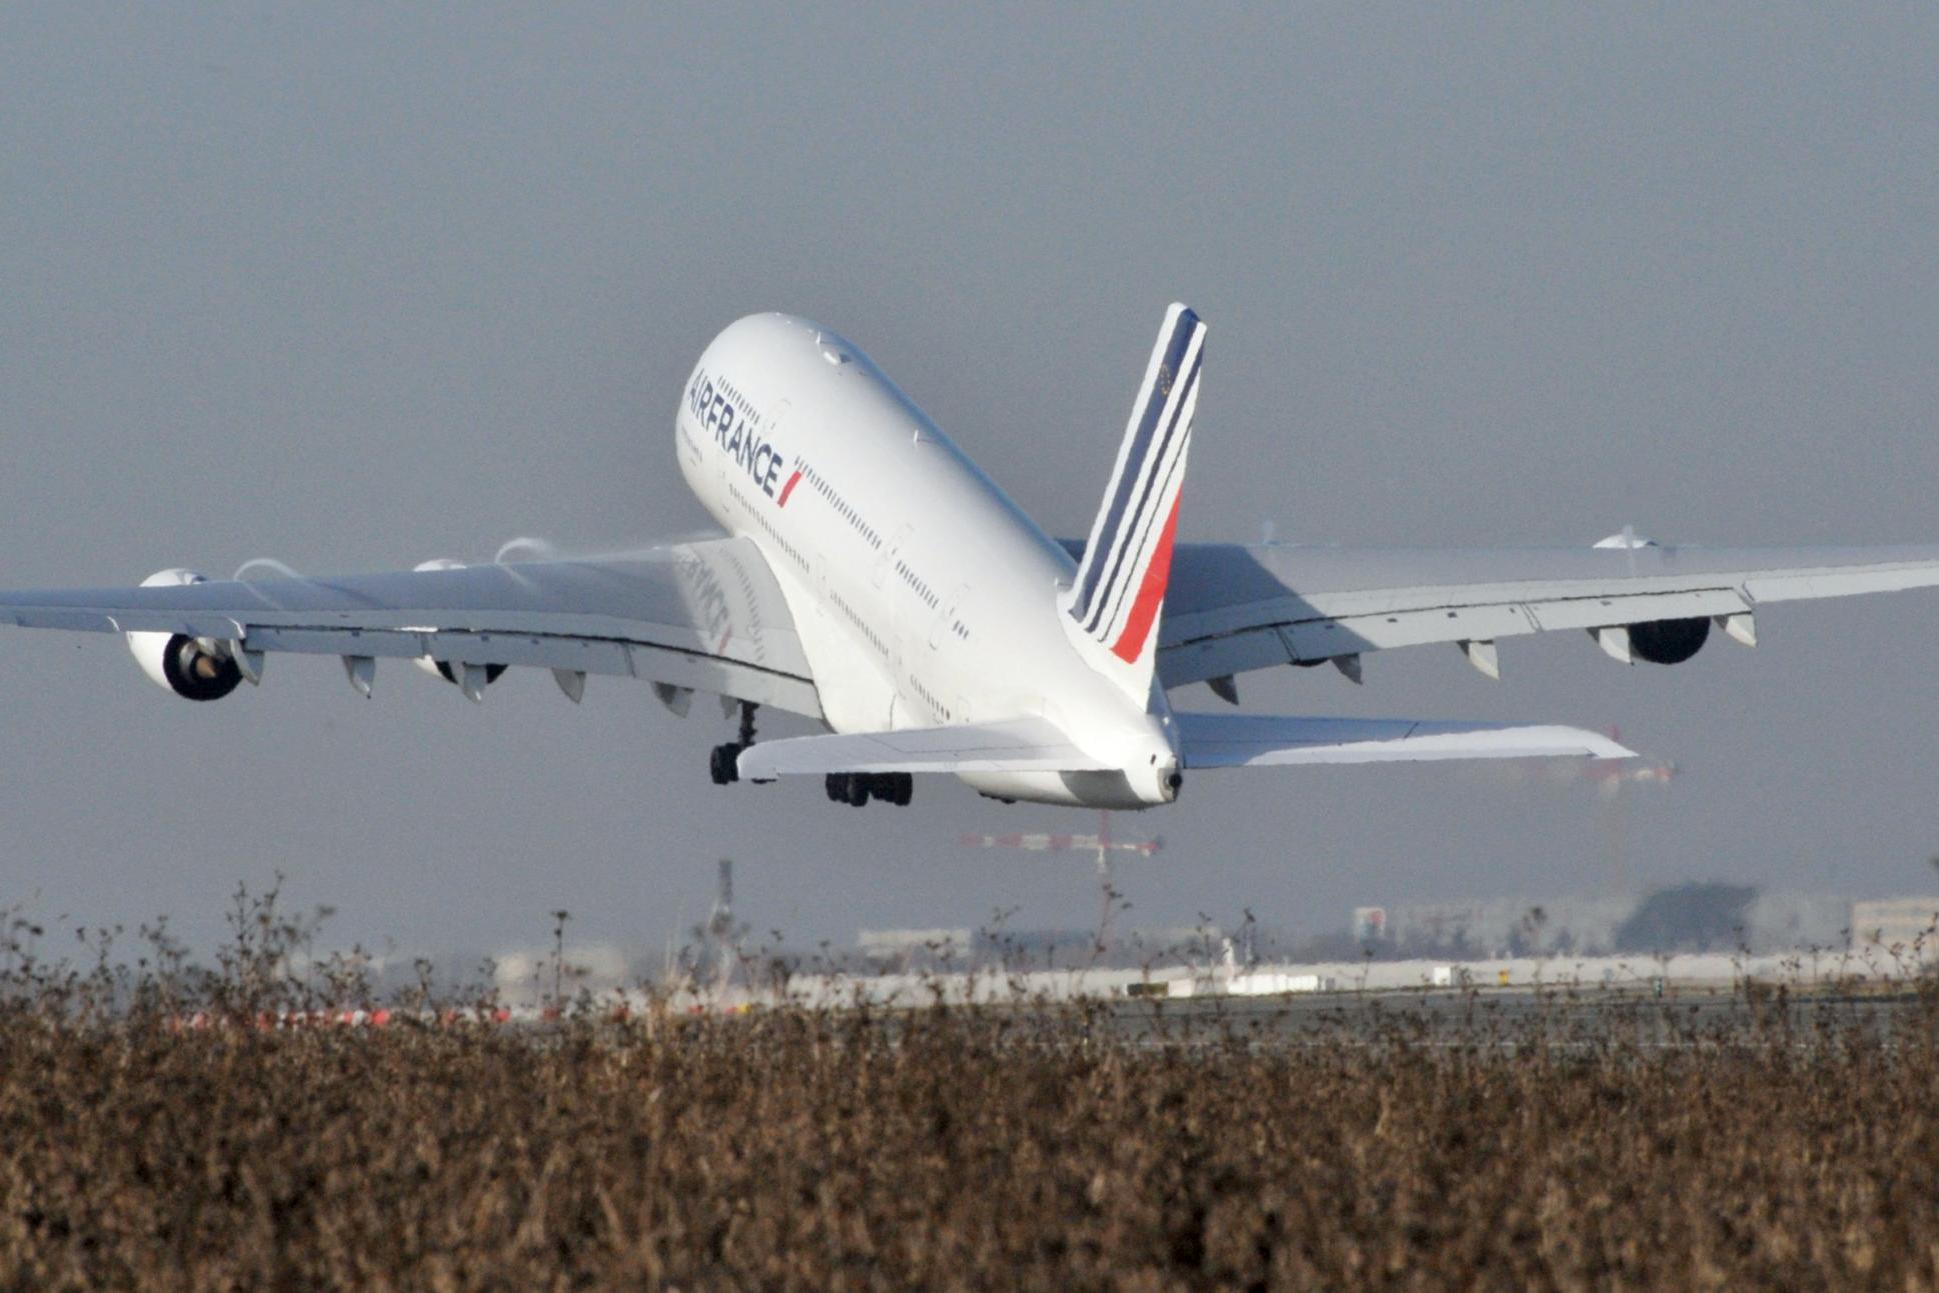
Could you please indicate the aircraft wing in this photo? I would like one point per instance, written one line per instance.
(1232, 608)
(704, 616)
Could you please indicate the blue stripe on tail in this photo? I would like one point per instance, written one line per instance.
(1143, 517)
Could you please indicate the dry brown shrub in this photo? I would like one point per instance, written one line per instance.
(1584, 1147)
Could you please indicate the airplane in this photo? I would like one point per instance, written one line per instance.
(873, 578)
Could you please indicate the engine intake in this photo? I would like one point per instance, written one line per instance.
(1669, 641)
(442, 668)
(190, 671)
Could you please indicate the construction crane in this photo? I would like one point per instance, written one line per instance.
(1101, 845)
(720, 938)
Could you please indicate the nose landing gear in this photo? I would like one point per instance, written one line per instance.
(723, 764)
(857, 788)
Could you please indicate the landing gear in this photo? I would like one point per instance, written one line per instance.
(723, 765)
(857, 788)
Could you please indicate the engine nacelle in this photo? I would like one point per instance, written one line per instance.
(192, 668)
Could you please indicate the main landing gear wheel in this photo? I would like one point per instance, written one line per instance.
(857, 788)
(723, 765)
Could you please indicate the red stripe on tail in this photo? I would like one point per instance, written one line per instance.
(1151, 595)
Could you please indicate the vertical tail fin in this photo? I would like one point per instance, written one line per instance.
(1113, 605)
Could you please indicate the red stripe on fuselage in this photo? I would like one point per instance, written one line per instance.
(788, 488)
(1151, 595)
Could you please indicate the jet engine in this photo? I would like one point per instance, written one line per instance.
(192, 668)
(1657, 641)
(440, 668)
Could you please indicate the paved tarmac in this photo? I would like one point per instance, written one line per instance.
(1510, 1018)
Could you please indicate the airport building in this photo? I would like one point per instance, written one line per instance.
(1691, 917)
(918, 947)
(1496, 927)
(1904, 927)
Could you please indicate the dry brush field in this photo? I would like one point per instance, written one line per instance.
(961, 1149)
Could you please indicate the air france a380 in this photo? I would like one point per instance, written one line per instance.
(871, 577)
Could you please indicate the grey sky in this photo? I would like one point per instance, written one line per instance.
(353, 287)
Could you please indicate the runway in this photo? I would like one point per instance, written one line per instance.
(1514, 1018)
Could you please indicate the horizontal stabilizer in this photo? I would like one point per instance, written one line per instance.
(1248, 740)
(1014, 745)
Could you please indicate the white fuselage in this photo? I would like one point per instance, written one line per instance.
(922, 594)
